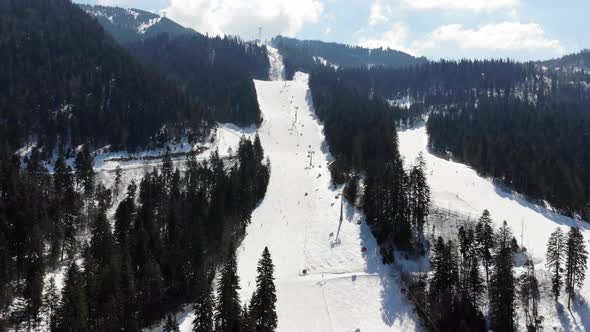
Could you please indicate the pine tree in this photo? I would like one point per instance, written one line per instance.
(476, 286)
(444, 281)
(167, 168)
(118, 179)
(530, 296)
(228, 308)
(50, 303)
(468, 255)
(576, 262)
(171, 324)
(84, 169)
(419, 196)
(262, 310)
(502, 287)
(203, 308)
(124, 214)
(72, 313)
(33, 289)
(555, 259)
(484, 234)
(84, 164)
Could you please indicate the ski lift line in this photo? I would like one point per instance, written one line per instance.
(409, 291)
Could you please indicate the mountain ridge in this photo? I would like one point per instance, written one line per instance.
(130, 24)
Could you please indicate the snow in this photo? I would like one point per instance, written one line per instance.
(144, 26)
(324, 62)
(277, 68)
(132, 13)
(226, 137)
(404, 102)
(457, 187)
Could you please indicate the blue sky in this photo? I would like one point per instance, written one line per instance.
(519, 29)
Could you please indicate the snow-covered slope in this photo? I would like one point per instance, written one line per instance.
(344, 289)
(458, 188)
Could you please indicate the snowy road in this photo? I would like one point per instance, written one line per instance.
(344, 289)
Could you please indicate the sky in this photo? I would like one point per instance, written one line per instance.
(450, 29)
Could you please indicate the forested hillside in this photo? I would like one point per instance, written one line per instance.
(67, 82)
(304, 55)
(217, 70)
(576, 62)
(539, 149)
(516, 122)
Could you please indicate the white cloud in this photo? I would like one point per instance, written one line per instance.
(463, 5)
(395, 38)
(379, 13)
(505, 39)
(239, 17)
(504, 36)
(327, 30)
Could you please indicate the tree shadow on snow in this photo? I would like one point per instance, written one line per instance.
(395, 306)
(580, 306)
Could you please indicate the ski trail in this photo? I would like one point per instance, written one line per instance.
(343, 288)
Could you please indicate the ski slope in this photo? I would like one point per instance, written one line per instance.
(344, 289)
(457, 187)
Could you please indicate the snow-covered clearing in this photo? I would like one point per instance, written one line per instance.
(457, 187)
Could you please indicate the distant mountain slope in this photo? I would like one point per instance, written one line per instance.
(572, 62)
(306, 54)
(66, 82)
(133, 24)
(218, 71)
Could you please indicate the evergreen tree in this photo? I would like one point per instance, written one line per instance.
(171, 324)
(203, 308)
(124, 214)
(419, 196)
(84, 166)
(118, 179)
(556, 251)
(484, 233)
(502, 286)
(50, 303)
(576, 262)
(476, 286)
(443, 283)
(530, 296)
(262, 311)
(72, 313)
(228, 308)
